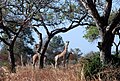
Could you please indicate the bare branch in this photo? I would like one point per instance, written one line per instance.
(114, 43)
(35, 29)
(40, 37)
(88, 24)
(107, 10)
(115, 21)
(42, 21)
(3, 40)
(90, 6)
(71, 26)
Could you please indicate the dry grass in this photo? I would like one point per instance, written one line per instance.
(73, 73)
(46, 74)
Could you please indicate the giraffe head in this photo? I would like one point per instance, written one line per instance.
(67, 43)
(36, 45)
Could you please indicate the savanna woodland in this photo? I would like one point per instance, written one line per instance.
(25, 24)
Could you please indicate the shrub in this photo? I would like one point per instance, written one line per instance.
(92, 64)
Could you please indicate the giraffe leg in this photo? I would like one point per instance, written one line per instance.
(64, 61)
(35, 59)
(56, 61)
(33, 64)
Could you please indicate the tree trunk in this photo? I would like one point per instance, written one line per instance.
(43, 53)
(105, 51)
(12, 60)
(117, 51)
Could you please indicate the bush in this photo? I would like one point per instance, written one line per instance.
(92, 64)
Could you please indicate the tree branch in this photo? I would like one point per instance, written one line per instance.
(5, 29)
(35, 29)
(20, 29)
(89, 24)
(47, 31)
(37, 25)
(2, 26)
(71, 26)
(114, 43)
(90, 6)
(107, 10)
(40, 37)
(3, 40)
(114, 22)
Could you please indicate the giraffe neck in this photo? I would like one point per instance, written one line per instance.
(64, 51)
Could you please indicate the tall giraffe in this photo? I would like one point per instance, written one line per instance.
(62, 54)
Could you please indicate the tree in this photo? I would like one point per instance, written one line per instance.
(105, 28)
(11, 25)
(20, 49)
(53, 17)
(56, 44)
(91, 34)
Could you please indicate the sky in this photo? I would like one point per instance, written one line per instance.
(75, 36)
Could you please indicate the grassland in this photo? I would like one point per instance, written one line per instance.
(72, 73)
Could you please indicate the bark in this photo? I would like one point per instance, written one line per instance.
(117, 51)
(43, 53)
(105, 51)
(105, 29)
(12, 60)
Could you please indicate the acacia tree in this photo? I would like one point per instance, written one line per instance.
(55, 17)
(105, 29)
(11, 25)
(51, 15)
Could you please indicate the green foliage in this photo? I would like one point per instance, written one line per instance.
(56, 43)
(92, 33)
(3, 56)
(76, 51)
(20, 48)
(3, 49)
(27, 36)
(92, 64)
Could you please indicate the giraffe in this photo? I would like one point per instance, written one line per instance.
(36, 56)
(62, 54)
(72, 58)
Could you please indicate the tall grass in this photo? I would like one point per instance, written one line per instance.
(72, 73)
(46, 74)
